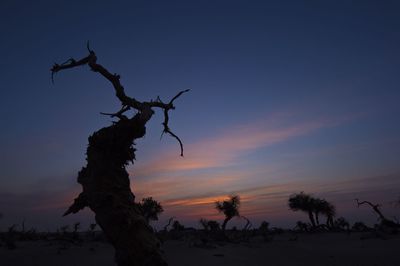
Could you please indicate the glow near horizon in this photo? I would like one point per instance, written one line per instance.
(286, 97)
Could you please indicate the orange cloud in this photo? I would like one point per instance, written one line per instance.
(224, 149)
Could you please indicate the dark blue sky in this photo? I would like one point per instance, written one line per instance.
(294, 94)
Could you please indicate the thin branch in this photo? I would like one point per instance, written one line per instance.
(366, 202)
(375, 207)
(166, 119)
(127, 102)
(178, 95)
(119, 114)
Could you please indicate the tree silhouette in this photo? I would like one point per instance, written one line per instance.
(209, 225)
(384, 221)
(213, 225)
(230, 208)
(360, 227)
(321, 206)
(105, 181)
(150, 209)
(303, 202)
(329, 210)
(177, 226)
(264, 226)
(313, 207)
(248, 224)
(204, 223)
(342, 224)
(317, 207)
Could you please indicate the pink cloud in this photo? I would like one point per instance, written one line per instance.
(224, 149)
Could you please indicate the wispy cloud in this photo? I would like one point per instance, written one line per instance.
(226, 148)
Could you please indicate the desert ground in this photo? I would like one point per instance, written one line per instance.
(338, 248)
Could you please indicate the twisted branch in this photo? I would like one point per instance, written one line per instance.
(375, 207)
(119, 114)
(126, 101)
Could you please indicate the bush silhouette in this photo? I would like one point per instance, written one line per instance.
(150, 209)
(230, 208)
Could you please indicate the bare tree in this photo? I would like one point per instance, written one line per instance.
(105, 181)
(384, 222)
(248, 224)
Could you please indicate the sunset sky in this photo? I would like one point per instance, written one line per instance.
(286, 96)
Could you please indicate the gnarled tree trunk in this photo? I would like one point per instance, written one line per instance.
(105, 181)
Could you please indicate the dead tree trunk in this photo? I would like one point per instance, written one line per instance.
(384, 221)
(105, 181)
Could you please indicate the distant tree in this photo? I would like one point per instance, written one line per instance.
(248, 223)
(230, 208)
(313, 207)
(92, 227)
(209, 224)
(75, 234)
(326, 208)
(264, 226)
(317, 207)
(303, 202)
(177, 226)
(150, 209)
(342, 223)
(302, 226)
(213, 225)
(359, 227)
(91, 231)
(76, 226)
(204, 223)
(165, 228)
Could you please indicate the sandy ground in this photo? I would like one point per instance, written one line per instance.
(319, 249)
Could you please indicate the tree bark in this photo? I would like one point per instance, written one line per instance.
(329, 221)
(224, 223)
(106, 190)
(317, 217)
(311, 216)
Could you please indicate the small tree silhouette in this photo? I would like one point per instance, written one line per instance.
(264, 227)
(204, 224)
(303, 202)
(359, 227)
(384, 221)
(342, 224)
(321, 206)
(177, 226)
(230, 208)
(313, 207)
(209, 225)
(317, 207)
(150, 209)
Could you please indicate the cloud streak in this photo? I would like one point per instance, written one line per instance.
(226, 148)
